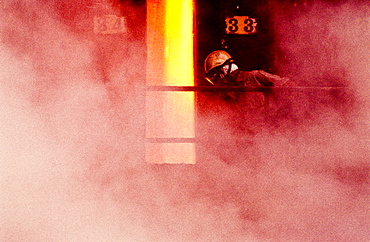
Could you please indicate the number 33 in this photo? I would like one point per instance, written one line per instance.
(241, 25)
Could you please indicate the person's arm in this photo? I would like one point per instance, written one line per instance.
(268, 79)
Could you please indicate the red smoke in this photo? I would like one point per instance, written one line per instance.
(71, 120)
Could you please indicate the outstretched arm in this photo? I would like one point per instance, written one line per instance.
(268, 79)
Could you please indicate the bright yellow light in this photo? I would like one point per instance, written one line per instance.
(170, 63)
(170, 42)
(179, 42)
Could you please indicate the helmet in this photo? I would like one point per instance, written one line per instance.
(216, 58)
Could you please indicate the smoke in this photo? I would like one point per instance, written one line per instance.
(59, 120)
(71, 125)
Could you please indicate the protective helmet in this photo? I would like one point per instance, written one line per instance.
(216, 58)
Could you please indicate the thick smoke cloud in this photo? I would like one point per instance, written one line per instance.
(70, 139)
(59, 121)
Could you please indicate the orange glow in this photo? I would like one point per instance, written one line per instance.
(170, 63)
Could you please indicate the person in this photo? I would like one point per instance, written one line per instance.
(241, 115)
(221, 70)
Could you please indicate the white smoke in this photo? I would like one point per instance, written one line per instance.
(57, 122)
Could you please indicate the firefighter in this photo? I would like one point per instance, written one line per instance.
(221, 70)
(244, 114)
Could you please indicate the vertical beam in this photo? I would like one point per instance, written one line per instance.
(170, 62)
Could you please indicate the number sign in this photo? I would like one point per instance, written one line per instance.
(241, 25)
(109, 24)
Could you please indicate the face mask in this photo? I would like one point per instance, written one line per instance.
(218, 75)
(225, 68)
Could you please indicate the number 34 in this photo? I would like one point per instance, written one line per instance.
(241, 25)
